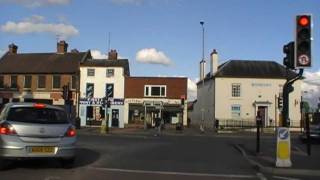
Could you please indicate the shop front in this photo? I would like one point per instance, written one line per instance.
(92, 112)
(144, 112)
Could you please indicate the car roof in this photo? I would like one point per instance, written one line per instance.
(30, 104)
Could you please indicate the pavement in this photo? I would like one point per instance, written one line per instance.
(264, 161)
(302, 163)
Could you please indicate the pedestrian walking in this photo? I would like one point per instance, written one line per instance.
(158, 126)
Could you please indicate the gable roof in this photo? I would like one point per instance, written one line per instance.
(108, 63)
(257, 69)
(251, 69)
(42, 63)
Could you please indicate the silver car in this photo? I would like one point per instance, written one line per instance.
(32, 130)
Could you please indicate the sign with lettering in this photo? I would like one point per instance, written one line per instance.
(99, 101)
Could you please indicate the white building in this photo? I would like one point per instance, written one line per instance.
(236, 90)
(100, 78)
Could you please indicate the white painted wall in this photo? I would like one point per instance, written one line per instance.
(263, 90)
(100, 80)
(251, 90)
(205, 104)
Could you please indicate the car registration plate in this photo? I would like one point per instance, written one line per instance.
(42, 150)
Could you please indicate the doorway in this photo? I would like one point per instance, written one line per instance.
(115, 118)
(263, 110)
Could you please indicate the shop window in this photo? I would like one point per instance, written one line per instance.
(236, 90)
(155, 91)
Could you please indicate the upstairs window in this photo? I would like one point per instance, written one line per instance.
(14, 82)
(27, 82)
(73, 82)
(90, 72)
(110, 72)
(236, 90)
(1, 82)
(41, 82)
(155, 91)
(56, 82)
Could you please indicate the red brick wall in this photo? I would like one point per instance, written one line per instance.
(134, 86)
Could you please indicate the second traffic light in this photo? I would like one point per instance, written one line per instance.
(303, 41)
(288, 49)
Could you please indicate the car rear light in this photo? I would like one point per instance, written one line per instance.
(71, 132)
(7, 129)
(39, 106)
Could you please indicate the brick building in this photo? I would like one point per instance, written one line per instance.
(39, 77)
(149, 97)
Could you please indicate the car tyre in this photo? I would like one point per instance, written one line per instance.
(68, 163)
(4, 164)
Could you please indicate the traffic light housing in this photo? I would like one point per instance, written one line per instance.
(288, 60)
(104, 102)
(182, 101)
(303, 41)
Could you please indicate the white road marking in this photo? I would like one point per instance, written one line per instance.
(175, 173)
(285, 178)
(52, 178)
(261, 176)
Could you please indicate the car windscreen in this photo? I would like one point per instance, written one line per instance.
(37, 115)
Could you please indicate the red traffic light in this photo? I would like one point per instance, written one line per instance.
(304, 21)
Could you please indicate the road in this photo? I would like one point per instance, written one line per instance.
(146, 157)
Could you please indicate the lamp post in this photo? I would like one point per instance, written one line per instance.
(203, 77)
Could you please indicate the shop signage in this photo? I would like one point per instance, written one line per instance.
(99, 101)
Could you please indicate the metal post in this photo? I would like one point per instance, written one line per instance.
(145, 117)
(258, 139)
(287, 88)
(308, 135)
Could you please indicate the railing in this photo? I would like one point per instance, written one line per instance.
(230, 123)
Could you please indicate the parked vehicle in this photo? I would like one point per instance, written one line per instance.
(32, 130)
(314, 132)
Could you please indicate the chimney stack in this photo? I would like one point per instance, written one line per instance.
(62, 47)
(13, 48)
(113, 55)
(214, 62)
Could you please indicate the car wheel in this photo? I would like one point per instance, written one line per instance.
(4, 164)
(67, 163)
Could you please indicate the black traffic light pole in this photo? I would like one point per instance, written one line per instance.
(287, 89)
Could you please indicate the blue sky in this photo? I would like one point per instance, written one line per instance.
(166, 33)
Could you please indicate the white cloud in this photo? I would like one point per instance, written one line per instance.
(122, 2)
(2, 52)
(37, 3)
(152, 56)
(35, 24)
(311, 88)
(96, 54)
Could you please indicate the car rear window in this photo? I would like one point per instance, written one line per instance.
(36, 115)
